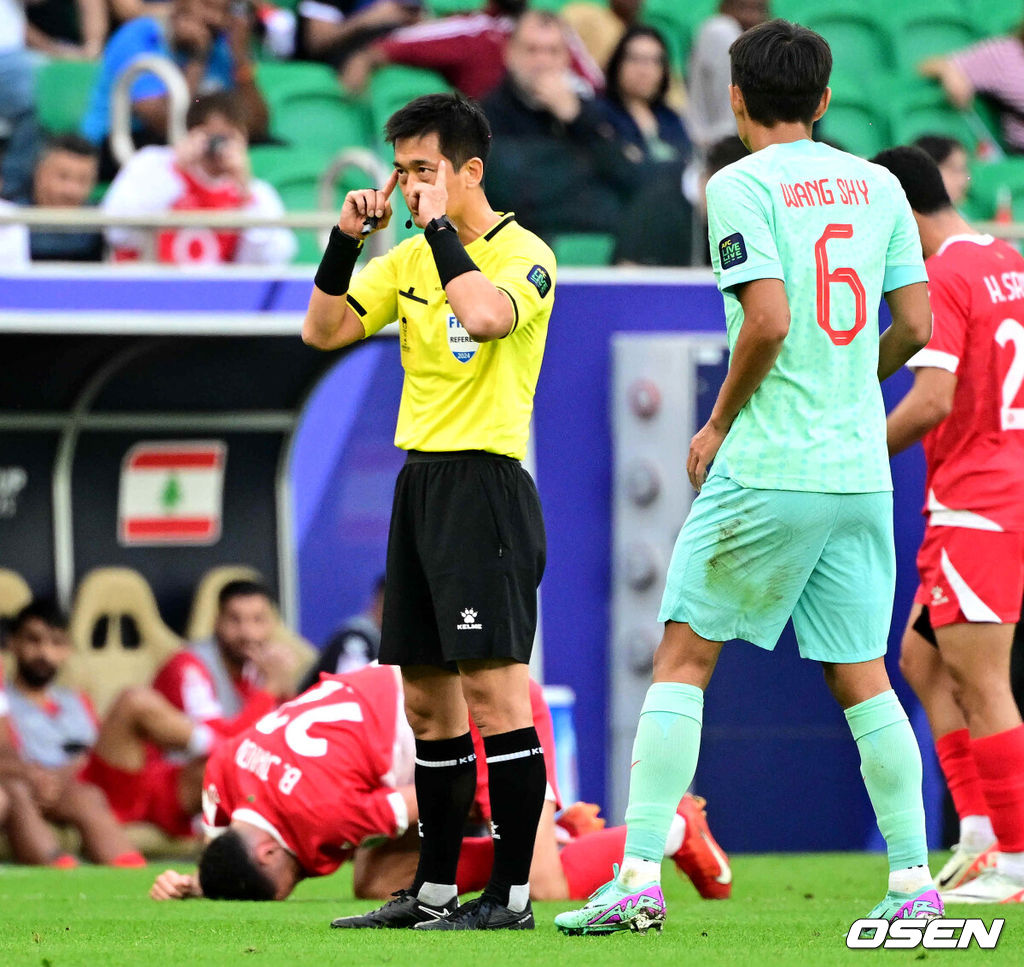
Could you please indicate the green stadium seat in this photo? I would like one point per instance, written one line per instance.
(854, 120)
(280, 80)
(989, 180)
(63, 89)
(994, 18)
(394, 85)
(918, 35)
(860, 41)
(322, 122)
(444, 8)
(583, 248)
(924, 109)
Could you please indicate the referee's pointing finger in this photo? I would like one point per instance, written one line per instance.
(390, 186)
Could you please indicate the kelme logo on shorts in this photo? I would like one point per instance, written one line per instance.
(459, 341)
(732, 250)
(538, 275)
(469, 622)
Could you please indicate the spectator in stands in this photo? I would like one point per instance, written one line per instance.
(709, 75)
(330, 30)
(720, 154)
(993, 68)
(233, 678)
(951, 157)
(354, 644)
(17, 101)
(467, 50)
(600, 26)
(66, 29)
(208, 170)
(55, 728)
(209, 45)
(556, 161)
(655, 142)
(14, 250)
(64, 177)
(32, 839)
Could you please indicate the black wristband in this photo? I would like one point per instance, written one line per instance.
(335, 271)
(450, 255)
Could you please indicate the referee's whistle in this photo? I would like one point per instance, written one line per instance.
(369, 225)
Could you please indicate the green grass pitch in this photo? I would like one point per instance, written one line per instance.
(786, 910)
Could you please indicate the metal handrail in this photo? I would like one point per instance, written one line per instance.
(77, 219)
(121, 144)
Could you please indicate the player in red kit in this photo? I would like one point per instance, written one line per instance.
(301, 791)
(967, 405)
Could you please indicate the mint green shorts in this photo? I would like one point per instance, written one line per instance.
(746, 560)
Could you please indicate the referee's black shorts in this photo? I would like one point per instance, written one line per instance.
(466, 552)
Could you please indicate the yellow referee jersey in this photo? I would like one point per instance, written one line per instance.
(459, 394)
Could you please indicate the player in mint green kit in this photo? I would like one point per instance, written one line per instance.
(795, 517)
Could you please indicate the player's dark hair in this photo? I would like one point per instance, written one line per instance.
(71, 144)
(782, 70)
(724, 152)
(42, 609)
(920, 177)
(224, 103)
(938, 147)
(614, 68)
(242, 589)
(227, 871)
(459, 122)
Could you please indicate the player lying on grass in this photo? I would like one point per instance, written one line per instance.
(327, 778)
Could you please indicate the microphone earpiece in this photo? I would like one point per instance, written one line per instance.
(408, 223)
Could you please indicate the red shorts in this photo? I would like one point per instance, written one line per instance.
(970, 575)
(148, 796)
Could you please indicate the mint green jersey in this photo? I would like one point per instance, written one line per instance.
(838, 231)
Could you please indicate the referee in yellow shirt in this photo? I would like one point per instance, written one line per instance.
(472, 296)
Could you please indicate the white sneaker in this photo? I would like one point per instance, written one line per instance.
(964, 865)
(989, 886)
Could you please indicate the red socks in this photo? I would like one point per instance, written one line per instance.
(1000, 763)
(129, 861)
(957, 760)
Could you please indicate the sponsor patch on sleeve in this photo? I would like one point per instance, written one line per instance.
(732, 250)
(539, 277)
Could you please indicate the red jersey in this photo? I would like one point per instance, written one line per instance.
(975, 456)
(210, 695)
(321, 773)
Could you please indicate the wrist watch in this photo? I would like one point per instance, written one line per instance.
(439, 224)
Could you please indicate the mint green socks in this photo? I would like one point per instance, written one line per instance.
(890, 762)
(664, 760)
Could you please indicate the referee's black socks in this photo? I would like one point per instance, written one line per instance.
(445, 786)
(517, 781)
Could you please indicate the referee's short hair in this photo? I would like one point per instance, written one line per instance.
(459, 122)
(920, 177)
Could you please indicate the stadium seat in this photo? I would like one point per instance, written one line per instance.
(118, 638)
(324, 123)
(854, 121)
(279, 80)
(444, 8)
(63, 88)
(860, 40)
(924, 109)
(917, 35)
(583, 248)
(204, 613)
(394, 85)
(993, 19)
(989, 180)
(15, 593)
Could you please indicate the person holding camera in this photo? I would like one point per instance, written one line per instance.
(208, 169)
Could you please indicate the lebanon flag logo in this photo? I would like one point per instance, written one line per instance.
(171, 493)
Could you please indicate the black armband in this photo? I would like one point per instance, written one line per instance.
(335, 271)
(450, 255)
